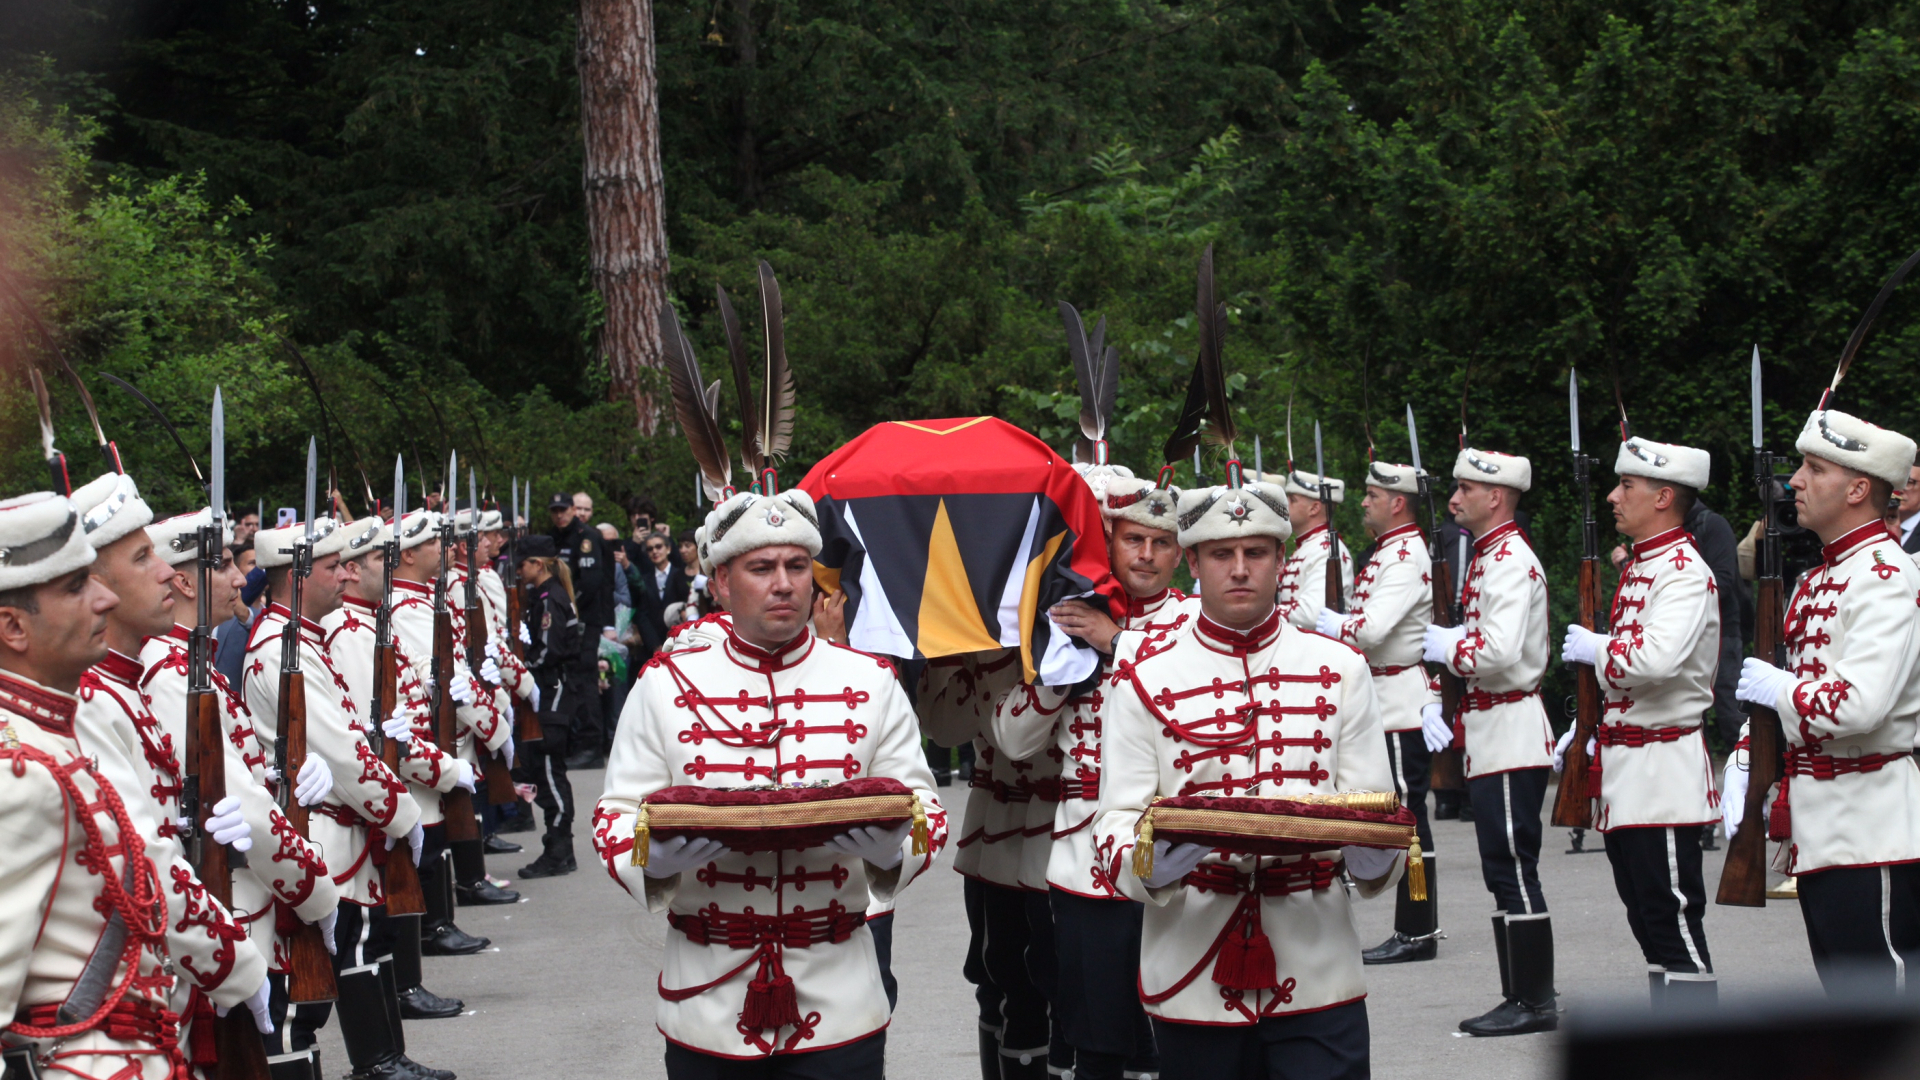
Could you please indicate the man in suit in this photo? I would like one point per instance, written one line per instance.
(1907, 518)
(654, 584)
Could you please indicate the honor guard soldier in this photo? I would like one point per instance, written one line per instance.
(140, 757)
(1655, 668)
(84, 969)
(284, 872)
(1303, 580)
(486, 727)
(1500, 651)
(352, 633)
(367, 798)
(1387, 621)
(790, 979)
(555, 680)
(1096, 927)
(1239, 702)
(1848, 809)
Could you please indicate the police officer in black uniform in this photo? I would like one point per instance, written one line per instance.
(561, 684)
(580, 545)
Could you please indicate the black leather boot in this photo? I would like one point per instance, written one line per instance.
(299, 1065)
(367, 1027)
(1416, 929)
(1023, 1064)
(416, 1001)
(551, 862)
(1532, 1005)
(989, 1053)
(471, 887)
(439, 936)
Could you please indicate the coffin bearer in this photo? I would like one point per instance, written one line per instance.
(1656, 671)
(1848, 810)
(788, 979)
(1392, 604)
(1500, 651)
(1303, 580)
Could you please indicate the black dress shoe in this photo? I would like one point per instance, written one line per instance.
(424, 1072)
(1513, 1018)
(496, 846)
(483, 892)
(544, 866)
(421, 1003)
(1401, 949)
(449, 940)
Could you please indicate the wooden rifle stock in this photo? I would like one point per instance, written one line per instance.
(1447, 771)
(1335, 596)
(241, 1053)
(310, 974)
(1743, 880)
(1573, 804)
(526, 719)
(456, 805)
(398, 875)
(499, 779)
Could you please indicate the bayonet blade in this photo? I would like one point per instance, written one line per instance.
(217, 466)
(1757, 413)
(1573, 405)
(313, 477)
(1413, 437)
(448, 493)
(399, 490)
(1257, 470)
(473, 502)
(1319, 458)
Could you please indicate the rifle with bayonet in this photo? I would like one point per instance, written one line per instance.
(1446, 772)
(241, 1055)
(526, 719)
(1573, 804)
(400, 877)
(1336, 579)
(1743, 880)
(456, 805)
(499, 780)
(310, 976)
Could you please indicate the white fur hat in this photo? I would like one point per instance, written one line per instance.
(1671, 462)
(1850, 441)
(1101, 477)
(749, 521)
(418, 527)
(40, 539)
(111, 507)
(1139, 501)
(364, 535)
(1220, 513)
(274, 547)
(1487, 467)
(1307, 484)
(491, 521)
(701, 554)
(177, 539)
(1388, 476)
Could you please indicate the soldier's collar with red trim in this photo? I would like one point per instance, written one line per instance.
(1309, 534)
(307, 626)
(1483, 544)
(748, 655)
(1652, 545)
(45, 706)
(1871, 533)
(358, 604)
(1239, 642)
(1398, 531)
(180, 633)
(119, 667)
(423, 588)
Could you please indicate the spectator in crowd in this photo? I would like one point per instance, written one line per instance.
(642, 515)
(230, 635)
(699, 599)
(655, 584)
(611, 534)
(591, 566)
(244, 528)
(1908, 516)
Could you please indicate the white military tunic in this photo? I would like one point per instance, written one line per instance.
(1273, 712)
(956, 702)
(1852, 796)
(1303, 578)
(1503, 655)
(1656, 674)
(1392, 605)
(351, 637)
(731, 715)
(413, 635)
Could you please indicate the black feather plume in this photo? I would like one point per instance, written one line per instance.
(776, 426)
(695, 407)
(750, 455)
(1213, 334)
(1866, 323)
(158, 415)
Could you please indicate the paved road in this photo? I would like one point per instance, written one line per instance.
(570, 990)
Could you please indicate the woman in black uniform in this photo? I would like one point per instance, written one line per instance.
(553, 656)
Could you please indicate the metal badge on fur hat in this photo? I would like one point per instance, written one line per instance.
(1139, 501)
(750, 520)
(418, 527)
(40, 539)
(1306, 484)
(110, 507)
(177, 539)
(1670, 462)
(363, 536)
(1223, 513)
(274, 547)
(1487, 467)
(1832, 435)
(1388, 476)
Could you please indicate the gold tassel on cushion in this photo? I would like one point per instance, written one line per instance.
(922, 835)
(1416, 872)
(642, 840)
(1143, 846)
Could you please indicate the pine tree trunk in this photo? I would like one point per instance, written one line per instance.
(626, 208)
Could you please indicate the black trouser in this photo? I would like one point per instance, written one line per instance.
(1657, 873)
(864, 1059)
(1411, 761)
(362, 937)
(1332, 1044)
(881, 927)
(986, 994)
(1863, 926)
(1097, 1006)
(1506, 821)
(552, 791)
(1005, 949)
(590, 731)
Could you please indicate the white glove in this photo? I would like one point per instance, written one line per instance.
(1582, 646)
(1171, 862)
(1761, 682)
(256, 1004)
(1330, 623)
(1368, 864)
(326, 930)
(416, 837)
(699, 583)
(533, 699)
(496, 652)
(314, 783)
(1560, 750)
(465, 779)
(878, 846)
(398, 727)
(1733, 796)
(1434, 729)
(461, 688)
(1439, 641)
(525, 638)
(506, 750)
(490, 671)
(668, 857)
(228, 826)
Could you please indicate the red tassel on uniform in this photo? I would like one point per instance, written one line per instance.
(1780, 818)
(772, 1001)
(202, 1049)
(1246, 955)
